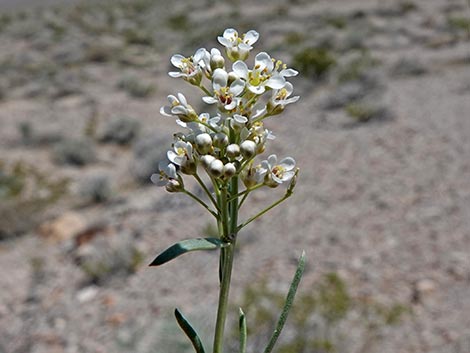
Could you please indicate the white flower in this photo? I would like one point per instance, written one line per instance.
(211, 61)
(167, 177)
(265, 73)
(238, 47)
(180, 108)
(182, 151)
(280, 98)
(190, 69)
(238, 121)
(252, 176)
(226, 96)
(277, 173)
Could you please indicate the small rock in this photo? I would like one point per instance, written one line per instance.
(422, 288)
(86, 294)
(63, 228)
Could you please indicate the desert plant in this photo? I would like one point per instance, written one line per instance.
(77, 152)
(121, 130)
(135, 87)
(95, 189)
(314, 61)
(24, 193)
(225, 148)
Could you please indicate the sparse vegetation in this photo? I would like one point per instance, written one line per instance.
(121, 130)
(318, 317)
(135, 87)
(95, 189)
(24, 192)
(314, 61)
(77, 152)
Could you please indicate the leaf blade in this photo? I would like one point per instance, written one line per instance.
(185, 246)
(189, 331)
(288, 303)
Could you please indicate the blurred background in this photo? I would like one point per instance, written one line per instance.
(382, 207)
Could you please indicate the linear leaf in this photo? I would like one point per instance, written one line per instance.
(185, 246)
(287, 305)
(243, 331)
(189, 331)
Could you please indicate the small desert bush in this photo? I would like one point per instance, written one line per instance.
(24, 194)
(314, 61)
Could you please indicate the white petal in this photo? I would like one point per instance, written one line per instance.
(272, 160)
(289, 73)
(200, 54)
(179, 109)
(240, 68)
(172, 99)
(251, 37)
(166, 110)
(263, 60)
(237, 87)
(290, 100)
(288, 175)
(176, 74)
(244, 47)
(177, 60)
(219, 79)
(182, 99)
(288, 163)
(209, 100)
(256, 89)
(225, 42)
(230, 33)
(232, 105)
(276, 82)
(173, 157)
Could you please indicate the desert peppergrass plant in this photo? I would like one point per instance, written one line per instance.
(220, 150)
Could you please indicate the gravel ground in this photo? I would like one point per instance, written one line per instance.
(385, 203)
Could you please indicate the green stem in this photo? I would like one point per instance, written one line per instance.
(251, 219)
(227, 263)
(204, 187)
(229, 207)
(202, 203)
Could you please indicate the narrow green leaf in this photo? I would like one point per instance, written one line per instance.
(243, 331)
(287, 305)
(185, 246)
(189, 331)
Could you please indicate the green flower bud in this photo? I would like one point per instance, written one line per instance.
(248, 149)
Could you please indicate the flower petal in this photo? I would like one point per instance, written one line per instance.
(289, 72)
(288, 163)
(251, 37)
(276, 82)
(177, 60)
(240, 68)
(237, 87)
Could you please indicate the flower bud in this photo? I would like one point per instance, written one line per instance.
(220, 140)
(229, 170)
(206, 160)
(232, 76)
(217, 62)
(233, 151)
(216, 168)
(203, 143)
(248, 149)
(174, 185)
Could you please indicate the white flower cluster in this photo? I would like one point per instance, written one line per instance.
(226, 143)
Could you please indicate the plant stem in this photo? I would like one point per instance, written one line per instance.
(228, 231)
(251, 219)
(227, 263)
(202, 203)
